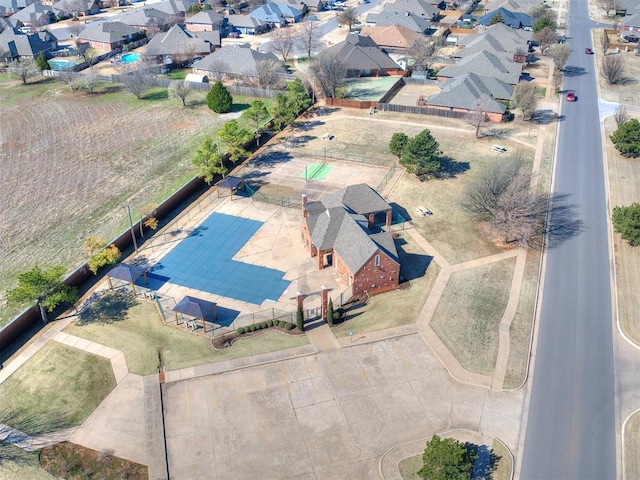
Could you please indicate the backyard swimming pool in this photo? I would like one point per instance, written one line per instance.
(129, 58)
(60, 64)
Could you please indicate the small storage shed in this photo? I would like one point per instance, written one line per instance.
(196, 78)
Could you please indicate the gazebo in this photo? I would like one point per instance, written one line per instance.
(127, 273)
(196, 308)
(231, 183)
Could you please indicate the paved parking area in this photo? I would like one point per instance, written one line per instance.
(323, 416)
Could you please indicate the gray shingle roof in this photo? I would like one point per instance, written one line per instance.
(512, 19)
(486, 64)
(353, 244)
(142, 16)
(32, 13)
(235, 59)
(419, 7)
(468, 91)
(406, 19)
(631, 20)
(276, 13)
(361, 53)
(174, 7)
(177, 40)
(208, 17)
(360, 199)
(245, 21)
(385, 241)
(107, 32)
(26, 45)
(12, 6)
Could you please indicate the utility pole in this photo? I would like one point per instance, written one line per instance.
(133, 234)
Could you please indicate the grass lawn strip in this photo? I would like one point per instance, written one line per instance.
(57, 388)
(632, 446)
(469, 313)
(74, 462)
(140, 335)
(409, 467)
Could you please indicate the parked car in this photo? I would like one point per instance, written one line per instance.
(234, 35)
(571, 96)
(588, 51)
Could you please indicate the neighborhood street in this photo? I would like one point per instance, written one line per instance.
(571, 421)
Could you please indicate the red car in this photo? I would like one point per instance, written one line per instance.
(588, 51)
(571, 96)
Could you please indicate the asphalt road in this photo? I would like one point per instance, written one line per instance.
(570, 431)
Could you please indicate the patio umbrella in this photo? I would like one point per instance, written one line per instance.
(127, 273)
(197, 308)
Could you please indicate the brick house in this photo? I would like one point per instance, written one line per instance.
(340, 231)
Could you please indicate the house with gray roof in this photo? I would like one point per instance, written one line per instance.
(247, 24)
(519, 6)
(486, 64)
(514, 49)
(206, 21)
(276, 14)
(18, 44)
(34, 15)
(627, 7)
(109, 35)
(408, 20)
(511, 19)
(362, 57)
(145, 17)
(304, 5)
(175, 7)
(421, 8)
(9, 7)
(630, 28)
(69, 8)
(233, 62)
(177, 44)
(470, 92)
(340, 230)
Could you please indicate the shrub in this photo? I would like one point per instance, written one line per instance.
(282, 324)
(264, 325)
(626, 222)
(269, 323)
(330, 312)
(289, 326)
(240, 330)
(219, 99)
(252, 327)
(626, 138)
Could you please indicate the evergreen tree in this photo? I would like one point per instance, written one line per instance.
(219, 99)
(300, 318)
(421, 155)
(41, 62)
(330, 312)
(397, 143)
(626, 138)
(626, 221)
(447, 459)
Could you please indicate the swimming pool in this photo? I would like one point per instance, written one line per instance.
(61, 64)
(129, 58)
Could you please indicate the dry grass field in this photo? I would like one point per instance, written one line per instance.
(70, 163)
(625, 92)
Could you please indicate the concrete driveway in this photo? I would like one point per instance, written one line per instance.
(327, 415)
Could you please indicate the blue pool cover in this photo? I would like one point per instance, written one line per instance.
(203, 261)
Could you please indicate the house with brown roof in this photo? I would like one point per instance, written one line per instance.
(339, 231)
(394, 38)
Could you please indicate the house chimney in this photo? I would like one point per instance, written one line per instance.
(304, 206)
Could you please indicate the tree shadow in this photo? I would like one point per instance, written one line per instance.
(562, 224)
(239, 107)
(572, 71)
(306, 126)
(451, 168)
(486, 461)
(301, 140)
(270, 158)
(107, 307)
(544, 117)
(627, 81)
(156, 94)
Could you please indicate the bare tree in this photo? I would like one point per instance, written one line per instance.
(613, 69)
(525, 98)
(269, 74)
(347, 17)
(179, 90)
(90, 81)
(478, 115)
(621, 115)
(330, 71)
(604, 42)
(538, 11)
(309, 37)
(136, 80)
(545, 38)
(560, 54)
(556, 80)
(282, 42)
(606, 5)
(23, 69)
(501, 194)
(422, 52)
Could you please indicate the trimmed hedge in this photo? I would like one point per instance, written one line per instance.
(289, 326)
(240, 330)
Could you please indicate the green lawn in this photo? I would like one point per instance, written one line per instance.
(469, 313)
(409, 467)
(57, 388)
(140, 334)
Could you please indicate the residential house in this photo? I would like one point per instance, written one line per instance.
(277, 15)
(34, 15)
(470, 92)
(394, 38)
(362, 57)
(206, 21)
(179, 45)
(409, 20)
(516, 6)
(630, 28)
(421, 8)
(304, 5)
(109, 35)
(9, 7)
(509, 18)
(234, 62)
(627, 7)
(247, 25)
(499, 40)
(339, 231)
(70, 8)
(175, 7)
(146, 17)
(484, 64)
(18, 44)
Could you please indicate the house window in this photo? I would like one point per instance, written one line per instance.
(377, 261)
